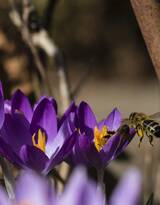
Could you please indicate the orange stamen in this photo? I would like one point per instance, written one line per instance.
(41, 141)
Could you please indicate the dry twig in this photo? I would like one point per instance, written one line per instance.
(48, 13)
(148, 16)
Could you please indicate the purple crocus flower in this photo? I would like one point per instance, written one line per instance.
(31, 138)
(128, 190)
(98, 142)
(20, 102)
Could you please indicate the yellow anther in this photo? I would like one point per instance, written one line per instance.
(41, 140)
(100, 137)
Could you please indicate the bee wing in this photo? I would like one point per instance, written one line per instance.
(155, 116)
(125, 121)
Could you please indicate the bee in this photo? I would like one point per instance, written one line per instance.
(144, 125)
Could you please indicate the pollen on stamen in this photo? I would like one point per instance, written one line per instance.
(100, 137)
(40, 143)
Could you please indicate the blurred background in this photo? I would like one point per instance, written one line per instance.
(104, 50)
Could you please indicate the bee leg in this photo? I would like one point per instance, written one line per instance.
(150, 138)
(140, 141)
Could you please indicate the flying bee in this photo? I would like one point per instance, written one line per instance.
(144, 125)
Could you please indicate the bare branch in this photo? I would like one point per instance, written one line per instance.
(22, 24)
(40, 38)
(64, 86)
(81, 82)
(148, 16)
(48, 13)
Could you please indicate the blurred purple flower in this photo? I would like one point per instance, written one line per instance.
(31, 138)
(98, 142)
(30, 189)
(128, 190)
(80, 190)
(1, 106)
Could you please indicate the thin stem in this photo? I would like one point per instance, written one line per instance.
(81, 82)
(100, 177)
(8, 177)
(57, 175)
(101, 184)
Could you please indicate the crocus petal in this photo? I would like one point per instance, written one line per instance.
(33, 158)
(64, 132)
(61, 154)
(52, 100)
(33, 189)
(44, 117)
(54, 103)
(7, 106)
(125, 140)
(7, 152)
(1, 88)
(71, 108)
(101, 124)
(15, 131)
(113, 121)
(86, 117)
(77, 155)
(80, 190)
(4, 198)
(1, 106)
(20, 102)
(108, 151)
(129, 189)
(89, 152)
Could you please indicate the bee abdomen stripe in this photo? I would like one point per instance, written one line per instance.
(150, 123)
(157, 131)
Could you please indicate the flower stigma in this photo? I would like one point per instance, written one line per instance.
(101, 137)
(40, 142)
